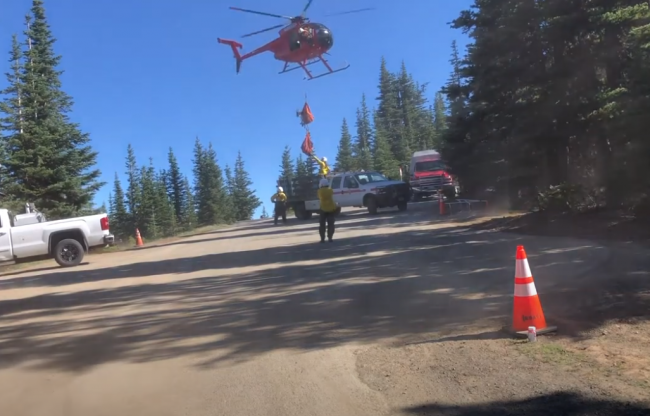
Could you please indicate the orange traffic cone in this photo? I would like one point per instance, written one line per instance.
(527, 310)
(138, 238)
(441, 203)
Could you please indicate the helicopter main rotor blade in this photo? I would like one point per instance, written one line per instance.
(307, 6)
(261, 13)
(262, 31)
(351, 11)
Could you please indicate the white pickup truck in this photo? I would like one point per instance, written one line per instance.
(31, 236)
(351, 189)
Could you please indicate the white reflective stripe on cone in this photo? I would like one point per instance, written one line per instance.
(522, 269)
(525, 290)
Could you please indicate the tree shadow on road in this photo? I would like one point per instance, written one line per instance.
(557, 404)
(363, 289)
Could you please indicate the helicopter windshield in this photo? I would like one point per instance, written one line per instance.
(323, 36)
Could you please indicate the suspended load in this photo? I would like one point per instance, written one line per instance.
(307, 145)
(305, 115)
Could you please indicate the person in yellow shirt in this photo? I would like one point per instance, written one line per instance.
(328, 210)
(280, 200)
(324, 167)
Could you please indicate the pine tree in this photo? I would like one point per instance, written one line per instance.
(150, 227)
(388, 112)
(384, 159)
(264, 213)
(210, 191)
(120, 220)
(363, 144)
(286, 166)
(133, 195)
(244, 199)
(439, 119)
(344, 158)
(173, 180)
(230, 188)
(50, 159)
(11, 124)
(190, 220)
(166, 221)
(302, 169)
(219, 191)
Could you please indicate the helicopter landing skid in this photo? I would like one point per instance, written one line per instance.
(309, 76)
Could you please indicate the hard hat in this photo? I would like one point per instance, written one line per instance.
(324, 159)
(280, 189)
(323, 183)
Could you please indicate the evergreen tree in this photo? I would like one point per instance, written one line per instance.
(173, 180)
(264, 213)
(48, 157)
(11, 124)
(244, 199)
(302, 169)
(388, 112)
(210, 190)
(190, 220)
(133, 196)
(149, 207)
(230, 188)
(120, 220)
(384, 160)
(364, 143)
(286, 167)
(439, 119)
(166, 220)
(344, 158)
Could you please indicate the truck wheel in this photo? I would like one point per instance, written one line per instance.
(68, 253)
(372, 205)
(402, 206)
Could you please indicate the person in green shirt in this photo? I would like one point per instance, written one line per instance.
(328, 210)
(280, 201)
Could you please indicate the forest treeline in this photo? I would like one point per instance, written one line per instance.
(547, 109)
(47, 159)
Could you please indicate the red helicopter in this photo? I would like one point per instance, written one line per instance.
(300, 42)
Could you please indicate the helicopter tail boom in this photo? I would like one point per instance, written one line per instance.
(235, 50)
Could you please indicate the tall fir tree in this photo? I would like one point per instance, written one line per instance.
(384, 160)
(344, 159)
(119, 215)
(363, 144)
(388, 112)
(48, 157)
(439, 119)
(174, 184)
(133, 196)
(286, 166)
(244, 199)
(230, 188)
(11, 109)
(190, 220)
(150, 223)
(166, 220)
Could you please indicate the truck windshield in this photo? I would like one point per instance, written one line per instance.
(429, 166)
(369, 177)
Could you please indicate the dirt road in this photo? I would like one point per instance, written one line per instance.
(399, 315)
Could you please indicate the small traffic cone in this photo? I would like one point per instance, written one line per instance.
(441, 203)
(527, 310)
(138, 238)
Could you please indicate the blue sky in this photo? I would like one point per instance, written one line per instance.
(153, 75)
